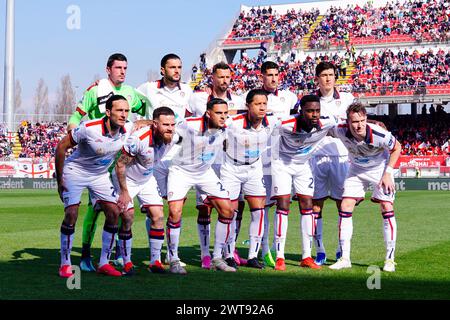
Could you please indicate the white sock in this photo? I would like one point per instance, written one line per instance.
(389, 233)
(222, 233)
(280, 226)
(256, 231)
(231, 243)
(173, 239)
(345, 233)
(156, 240)
(108, 238)
(307, 232)
(67, 235)
(318, 239)
(203, 227)
(125, 241)
(265, 240)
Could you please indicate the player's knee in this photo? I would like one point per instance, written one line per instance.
(305, 202)
(226, 211)
(386, 206)
(283, 203)
(71, 215)
(175, 213)
(128, 217)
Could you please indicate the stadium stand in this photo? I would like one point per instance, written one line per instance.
(40, 140)
(259, 24)
(406, 21)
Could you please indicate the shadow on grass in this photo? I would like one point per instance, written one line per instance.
(32, 274)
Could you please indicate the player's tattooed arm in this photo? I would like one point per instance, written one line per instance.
(139, 124)
(121, 165)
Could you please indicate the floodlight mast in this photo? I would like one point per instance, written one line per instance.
(8, 93)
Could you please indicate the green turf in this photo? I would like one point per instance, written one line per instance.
(29, 256)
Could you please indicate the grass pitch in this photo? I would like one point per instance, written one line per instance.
(29, 256)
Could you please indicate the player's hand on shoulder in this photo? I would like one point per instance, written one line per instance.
(139, 124)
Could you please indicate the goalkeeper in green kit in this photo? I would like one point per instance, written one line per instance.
(93, 106)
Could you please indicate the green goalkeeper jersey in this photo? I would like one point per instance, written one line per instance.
(89, 103)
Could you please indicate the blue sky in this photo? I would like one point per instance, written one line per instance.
(143, 30)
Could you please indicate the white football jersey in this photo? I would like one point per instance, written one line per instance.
(245, 144)
(146, 154)
(198, 101)
(297, 145)
(371, 152)
(96, 149)
(199, 145)
(281, 102)
(335, 106)
(161, 96)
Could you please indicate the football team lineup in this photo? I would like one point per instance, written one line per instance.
(321, 146)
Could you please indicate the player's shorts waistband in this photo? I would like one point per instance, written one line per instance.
(241, 163)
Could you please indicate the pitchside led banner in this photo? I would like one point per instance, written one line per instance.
(405, 184)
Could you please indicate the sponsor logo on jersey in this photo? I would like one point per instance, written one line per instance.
(103, 162)
(206, 156)
(304, 150)
(133, 148)
(362, 160)
(252, 153)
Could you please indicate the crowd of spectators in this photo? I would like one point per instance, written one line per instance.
(295, 75)
(419, 19)
(40, 139)
(422, 135)
(5, 146)
(401, 71)
(283, 28)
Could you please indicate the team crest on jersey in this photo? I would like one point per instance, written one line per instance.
(170, 195)
(133, 148)
(100, 151)
(231, 105)
(282, 99)
(182, 94)
(129, 97)
(246, 142)
(212, 139)
(338, 102)
(275, 189)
